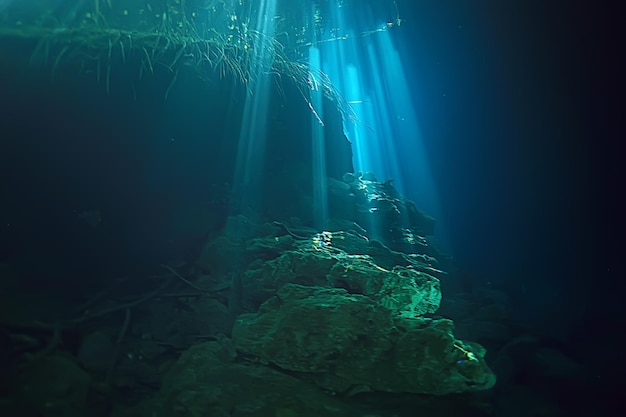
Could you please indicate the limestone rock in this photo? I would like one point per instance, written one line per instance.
(402, 290)
(342, 341)
(54, 387)
(363, 199)
(207, 381)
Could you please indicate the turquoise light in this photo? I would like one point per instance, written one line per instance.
(249, 169)
(365, 66)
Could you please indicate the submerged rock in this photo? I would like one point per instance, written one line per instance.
(343, 341)
(320, 262)
(207, 381)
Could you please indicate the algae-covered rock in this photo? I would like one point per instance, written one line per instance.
(351, 242)
(402, 289)
(54, 386)
(207, 381)
(363, 199)
(345, 341)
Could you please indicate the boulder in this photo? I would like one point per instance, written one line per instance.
(402, 289)
(342, 342)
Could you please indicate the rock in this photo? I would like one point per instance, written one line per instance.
(206, 381)
(402, 289)
(95, 352)
(553, 364)
(212, 317)
(54, 387)
(381, 210)
(341, 341)
(269, 247)
(221, 256)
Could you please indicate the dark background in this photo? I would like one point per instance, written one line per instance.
(518, 103)
(521, 105)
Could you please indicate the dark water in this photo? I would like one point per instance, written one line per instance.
(140, 175)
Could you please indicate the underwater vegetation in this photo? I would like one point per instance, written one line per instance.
(239, 40)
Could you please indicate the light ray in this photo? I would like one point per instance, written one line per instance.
(368, 70)
(249, 168)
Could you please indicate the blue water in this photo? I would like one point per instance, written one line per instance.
(192, 140)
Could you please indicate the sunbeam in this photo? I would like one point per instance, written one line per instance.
(368, 70)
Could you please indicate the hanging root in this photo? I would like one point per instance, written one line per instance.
(225, 44)
(169, 87)
(116, 351)
(148, 60)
